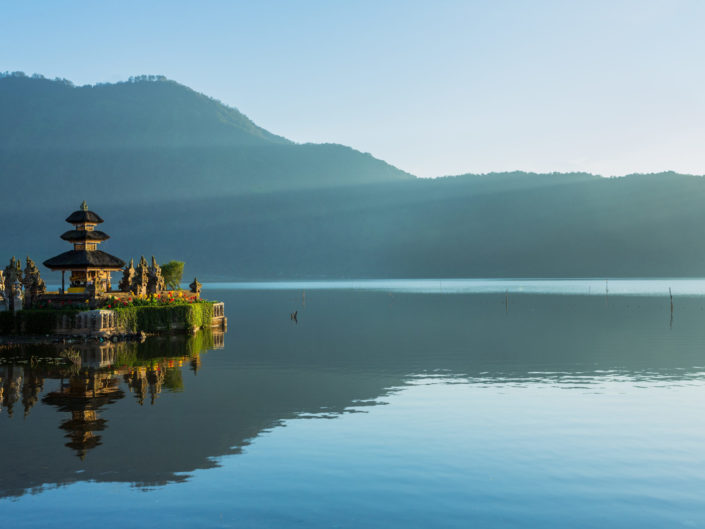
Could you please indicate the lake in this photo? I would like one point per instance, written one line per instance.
(451, 403)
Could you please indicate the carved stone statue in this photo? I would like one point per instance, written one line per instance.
(139, 282)
(156, 283)
(13, 278)
(128, 277)
(195, 287)
(13, 272)
(98, 287)
(4, 303)
(33, 284)
(17, 297)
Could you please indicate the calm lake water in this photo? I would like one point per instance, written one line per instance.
(505, 404)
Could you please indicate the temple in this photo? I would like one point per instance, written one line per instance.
(88, 305)
(89, 267)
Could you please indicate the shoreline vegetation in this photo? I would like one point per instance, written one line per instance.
(149, 316)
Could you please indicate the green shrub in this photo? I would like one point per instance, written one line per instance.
(127, 318)
(172, 272)
(179, 316)
(149, 318)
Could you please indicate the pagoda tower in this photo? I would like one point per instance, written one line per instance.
(90, 268)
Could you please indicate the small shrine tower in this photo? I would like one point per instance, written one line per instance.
(90, 268)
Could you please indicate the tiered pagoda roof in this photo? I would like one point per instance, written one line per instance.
(83, 216)
(85, 239)
(84, 235)
(77, 259)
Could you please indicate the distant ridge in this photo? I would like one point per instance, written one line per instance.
(151, 137)
(179, 175)
(146, 111)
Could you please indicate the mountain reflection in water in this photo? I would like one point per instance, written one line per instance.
(349, 350)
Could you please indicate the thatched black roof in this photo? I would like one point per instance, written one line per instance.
(81, 216)
(85, 235)
(76, 259)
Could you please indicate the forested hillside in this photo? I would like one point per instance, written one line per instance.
(151, 138)
(179, 175)
(512, 225)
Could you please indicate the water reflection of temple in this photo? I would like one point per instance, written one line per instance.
(82, 396)
(19, 383)
(144, 381)
(31, 388)
(10, 384)
(93, 380)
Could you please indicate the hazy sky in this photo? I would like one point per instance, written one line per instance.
(434, 88)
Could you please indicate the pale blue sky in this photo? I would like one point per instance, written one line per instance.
(434, 88)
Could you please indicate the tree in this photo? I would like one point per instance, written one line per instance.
(172, 272)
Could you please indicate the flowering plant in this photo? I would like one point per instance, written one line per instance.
(154, 300)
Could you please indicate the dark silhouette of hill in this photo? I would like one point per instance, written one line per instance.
(181, 176)
(514, 225)
(152, 138)
(504, 225)
(40, 113)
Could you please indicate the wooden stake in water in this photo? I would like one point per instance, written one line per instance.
(506, 301)
(670, 295)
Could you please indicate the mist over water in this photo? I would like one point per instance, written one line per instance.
(395, 404)
(594, 287)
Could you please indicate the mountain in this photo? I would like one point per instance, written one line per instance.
(502, 225)
(178, 175)
(512, 225)
(143, 113)
(149, 139)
